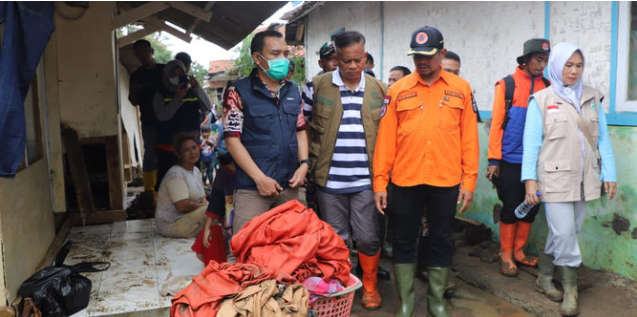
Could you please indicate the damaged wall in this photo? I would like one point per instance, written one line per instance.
(87, 86)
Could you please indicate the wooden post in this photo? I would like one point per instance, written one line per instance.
(79, 174)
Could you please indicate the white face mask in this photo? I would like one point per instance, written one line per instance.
(174, 80)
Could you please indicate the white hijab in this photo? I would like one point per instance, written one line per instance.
(560, 54)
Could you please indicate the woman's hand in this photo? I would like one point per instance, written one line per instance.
(531, 187)
(611, 189)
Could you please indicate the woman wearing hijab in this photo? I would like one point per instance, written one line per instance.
(567, 158)
(177, 106)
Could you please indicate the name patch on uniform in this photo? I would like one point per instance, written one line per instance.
(454, 94)
(553, 108)
(407, 96)
(387, 100)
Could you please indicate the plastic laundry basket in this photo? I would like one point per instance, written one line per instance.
(338, 304)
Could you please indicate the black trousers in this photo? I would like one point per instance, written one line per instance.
(165, 160)
(407, 204)
(511, 192)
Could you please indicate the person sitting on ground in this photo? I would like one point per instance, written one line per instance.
(213, 241)
(181, 200)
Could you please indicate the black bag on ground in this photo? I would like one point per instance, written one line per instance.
(60, 291)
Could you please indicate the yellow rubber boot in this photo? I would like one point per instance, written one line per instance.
(150, 180)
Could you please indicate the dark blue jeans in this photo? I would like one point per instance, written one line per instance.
(27, 29)
(406, 206)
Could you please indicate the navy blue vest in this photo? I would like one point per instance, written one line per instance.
(269, 130)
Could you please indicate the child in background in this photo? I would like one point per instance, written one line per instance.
(213, 241)
(207, 145)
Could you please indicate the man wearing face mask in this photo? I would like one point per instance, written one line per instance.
(264, 130)
(177, 107)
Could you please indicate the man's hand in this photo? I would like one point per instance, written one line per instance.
(268, 186)
(531, 188)
(466, 197)
(299, 176)
(380, 199)
(493, 170)
(611, 189)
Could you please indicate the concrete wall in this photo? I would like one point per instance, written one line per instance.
(488, 36)
(86, 75)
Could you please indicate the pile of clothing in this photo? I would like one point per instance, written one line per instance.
(276, 252)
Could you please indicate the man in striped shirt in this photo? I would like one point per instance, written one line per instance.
(346, 109)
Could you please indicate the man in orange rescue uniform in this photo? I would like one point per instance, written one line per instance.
(428, 140)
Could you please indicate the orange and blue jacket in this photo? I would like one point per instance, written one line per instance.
(428, 135)
(506, 145)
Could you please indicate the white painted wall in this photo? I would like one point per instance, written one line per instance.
(587, 24)
(87, 83)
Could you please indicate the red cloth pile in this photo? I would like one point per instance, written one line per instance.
(288, 243)
(291, 240)
(217, 280)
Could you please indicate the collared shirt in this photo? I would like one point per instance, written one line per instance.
(233, 110)
(428, 135)
(349, 170)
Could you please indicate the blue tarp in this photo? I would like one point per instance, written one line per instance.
(27, 29)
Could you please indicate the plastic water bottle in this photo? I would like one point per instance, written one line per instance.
(523, 209)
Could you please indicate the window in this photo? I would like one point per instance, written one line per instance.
(33, 149)
(627, 57)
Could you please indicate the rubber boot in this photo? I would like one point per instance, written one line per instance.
(404, 274)
(436, 303)
(150, 180)
(521, 237)
(570, 306)
(544, 283)
(507, 237)
(371, 297)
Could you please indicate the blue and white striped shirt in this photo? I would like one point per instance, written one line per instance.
(349, 171)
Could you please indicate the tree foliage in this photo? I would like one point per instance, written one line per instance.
(243, 64)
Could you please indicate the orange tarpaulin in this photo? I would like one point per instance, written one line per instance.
(291, 240)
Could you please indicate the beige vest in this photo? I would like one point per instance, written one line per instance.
(561, 170)
(327, 112)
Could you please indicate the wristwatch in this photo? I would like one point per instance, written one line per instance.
(306, 161)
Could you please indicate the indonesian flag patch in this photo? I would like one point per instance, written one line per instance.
(553, 108)
(387, 100)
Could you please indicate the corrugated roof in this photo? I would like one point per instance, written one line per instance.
(231, 21)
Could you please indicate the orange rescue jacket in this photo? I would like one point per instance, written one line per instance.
(427, 135)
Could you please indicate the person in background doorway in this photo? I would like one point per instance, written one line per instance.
(177, 108)
(505, 151)
(144, 82)
(568, 157)
(208, 145)
(291, 69)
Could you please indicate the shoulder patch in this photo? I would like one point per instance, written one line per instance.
(474, 104)
(387, 100)
(383, 111)
(454, 94)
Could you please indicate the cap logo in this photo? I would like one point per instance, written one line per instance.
(545, 46)
(421, 38)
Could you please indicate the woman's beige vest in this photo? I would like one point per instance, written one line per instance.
(561, 170)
